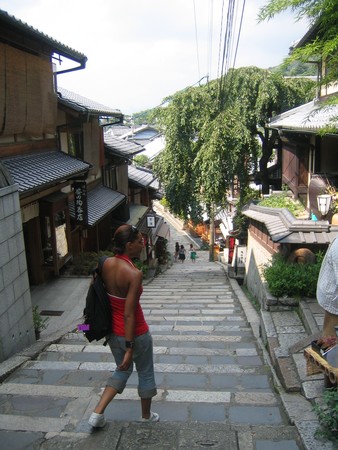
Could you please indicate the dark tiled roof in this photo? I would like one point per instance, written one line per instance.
(39, 170)
(284, 228)
(100, 201)
(142, 177)
(144, 133)
(83, 104)
(26, 31)
(136, 213)
(118, 130)
(115, 146)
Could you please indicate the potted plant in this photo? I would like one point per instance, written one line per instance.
(39, 322)
(152, 267)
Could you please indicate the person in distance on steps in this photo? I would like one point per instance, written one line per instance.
(130, 341)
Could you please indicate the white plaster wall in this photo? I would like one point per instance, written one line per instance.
(257, 256)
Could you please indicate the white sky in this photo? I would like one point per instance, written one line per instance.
(140, 51)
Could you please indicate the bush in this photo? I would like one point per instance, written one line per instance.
(291, 279)
(284, 201)
(328, 415)
(84, 263)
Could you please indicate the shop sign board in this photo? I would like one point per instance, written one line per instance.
(80, 202)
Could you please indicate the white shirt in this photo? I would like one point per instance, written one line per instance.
(327, 285)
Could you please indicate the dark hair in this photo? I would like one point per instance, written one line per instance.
(123, 235)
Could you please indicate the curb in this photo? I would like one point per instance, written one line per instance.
(295, 405)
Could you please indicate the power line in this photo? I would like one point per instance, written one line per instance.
(211, 18)
(220, 41)
(239, 32)
(197, 50)
(226, 50)
(229, 38)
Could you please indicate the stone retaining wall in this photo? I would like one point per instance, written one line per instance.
(16, 322)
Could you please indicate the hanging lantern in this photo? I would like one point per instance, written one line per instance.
(324, 203)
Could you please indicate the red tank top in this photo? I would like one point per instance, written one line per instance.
(117, 305)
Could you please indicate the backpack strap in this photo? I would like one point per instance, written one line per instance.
(99, 267)
(98, 271)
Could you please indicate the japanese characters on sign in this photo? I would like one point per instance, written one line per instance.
(151, 221)
(80, 202)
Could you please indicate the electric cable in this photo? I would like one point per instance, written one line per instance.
(196, 39)
(209, 53)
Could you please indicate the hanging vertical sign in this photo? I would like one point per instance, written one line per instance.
(80, 202)
(151, 223)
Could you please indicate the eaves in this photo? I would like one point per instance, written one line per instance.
(284, 228)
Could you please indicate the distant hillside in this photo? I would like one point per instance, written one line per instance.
(296, 69)
(142, 117)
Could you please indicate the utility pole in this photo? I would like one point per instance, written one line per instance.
(212, 234)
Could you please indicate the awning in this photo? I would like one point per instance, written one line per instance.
(140, 176)
(136, 214)
(115, 146)
(40, 170)
(224, 230)
(163, 231)
(284, 228)
(100, 202)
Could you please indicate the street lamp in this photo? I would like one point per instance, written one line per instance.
(324, 203)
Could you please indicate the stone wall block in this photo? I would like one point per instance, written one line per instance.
(6, 299)
(16, 322)
(11, 271)
(4, 253)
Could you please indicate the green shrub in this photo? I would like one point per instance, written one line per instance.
(84, 263)
(284, 201)
(291, 279)
(328, 415)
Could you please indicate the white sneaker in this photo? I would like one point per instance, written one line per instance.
(154, 417)
(97, 420)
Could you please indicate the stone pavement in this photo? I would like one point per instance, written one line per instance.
(217, 385)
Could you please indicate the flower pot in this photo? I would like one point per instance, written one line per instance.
(151, 272)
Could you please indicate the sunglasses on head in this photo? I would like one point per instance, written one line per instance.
(133, 232)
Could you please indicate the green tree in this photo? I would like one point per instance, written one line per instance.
(261, 94)
(213, 137)
(180, 120)
(323, 44)
(142, 160)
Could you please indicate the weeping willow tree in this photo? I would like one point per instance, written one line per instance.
(214, 137)
(323, 16)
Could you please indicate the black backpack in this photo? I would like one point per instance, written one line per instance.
(97, 312)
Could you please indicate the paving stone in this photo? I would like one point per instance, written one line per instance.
(255, 398)
(276, 445)
(14, 440)
(308, 429)
(255, 415)
(255, 381)
(313, 389)
(207, 413)
(288, 374)
(199, 397)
